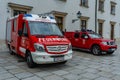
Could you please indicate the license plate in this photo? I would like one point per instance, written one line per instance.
(113, 49)
(57, 59)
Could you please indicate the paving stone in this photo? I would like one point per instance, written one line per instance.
(11, 67)
(3, 61)
(35, 70)
(33, 78)
(43, 73)
(72, 77)
(90, 75)
(116, 77)
(105, 69)
(2, 71)
(53, 77)
(81, 67)
(17, 70)
(6, 76)
(116, 72)
(103, 78)
(23, 75)
(83, 79)
(106, 74)
(94, 66)
(60, 72)
(77, 71)
(12, 78)
(91, 70)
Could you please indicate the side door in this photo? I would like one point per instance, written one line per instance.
(76, 42)
(24, 39)
(85, 41)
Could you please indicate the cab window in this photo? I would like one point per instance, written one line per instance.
(76, 35)
(25, 32)
(84, 35)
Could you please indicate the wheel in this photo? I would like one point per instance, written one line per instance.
(10, 51)
(29, 59)
(96, 50)
(110, 52)
(63, 62)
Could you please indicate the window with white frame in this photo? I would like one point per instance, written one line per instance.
(84, 22)
(16, 12)
(101, 5)
(19, 9)
(84, 3)
(113, 4)
(100, 26)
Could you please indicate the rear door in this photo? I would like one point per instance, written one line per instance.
(8, 31)
(14, 35)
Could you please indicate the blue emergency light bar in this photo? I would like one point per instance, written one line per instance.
(27, 15)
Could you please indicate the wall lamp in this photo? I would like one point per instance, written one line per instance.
(78, 16)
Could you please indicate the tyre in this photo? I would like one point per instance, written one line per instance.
(110, 52)
(62, 62)
(29, 60)
(10, 50)
(96, 50)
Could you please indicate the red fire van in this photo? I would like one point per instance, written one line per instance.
(38, 39)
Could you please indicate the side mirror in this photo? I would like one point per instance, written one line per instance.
(25, 34)
(20, 32)
(86, 37)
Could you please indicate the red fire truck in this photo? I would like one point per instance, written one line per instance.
(91, 41)
(38, 39)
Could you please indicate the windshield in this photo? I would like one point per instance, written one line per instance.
(93, 35)
(42, 28)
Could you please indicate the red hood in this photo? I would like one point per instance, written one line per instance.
(50, 40)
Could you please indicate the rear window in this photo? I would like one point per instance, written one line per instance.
(8, 31)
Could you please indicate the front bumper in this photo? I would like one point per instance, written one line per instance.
(44, 58)
(108, 48)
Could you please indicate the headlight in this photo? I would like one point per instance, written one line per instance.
(104, 43)
(39, 47)
(70, 46)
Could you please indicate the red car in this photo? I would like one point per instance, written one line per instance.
(89, 40)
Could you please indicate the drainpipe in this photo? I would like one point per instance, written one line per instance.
(96, 16)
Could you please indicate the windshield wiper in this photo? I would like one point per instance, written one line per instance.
(56, 35)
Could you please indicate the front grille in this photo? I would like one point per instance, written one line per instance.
(111, 43)
(57, 48)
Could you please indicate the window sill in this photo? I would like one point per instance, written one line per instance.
(102, 11)
(63, 0)
(113, 14)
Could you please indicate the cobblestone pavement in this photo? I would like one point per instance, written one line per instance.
(83, 66)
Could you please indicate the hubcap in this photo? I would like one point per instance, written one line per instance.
(96, 50)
